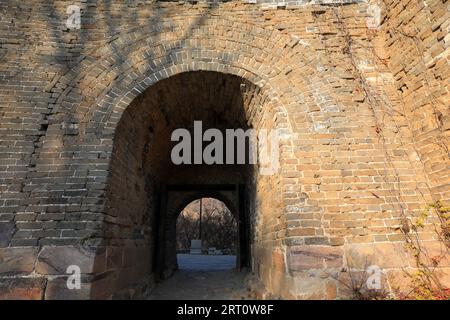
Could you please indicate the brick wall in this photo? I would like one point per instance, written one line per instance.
(363, 111)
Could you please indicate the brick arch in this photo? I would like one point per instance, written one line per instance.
(176, 204)
(141, 59)
(112, 76)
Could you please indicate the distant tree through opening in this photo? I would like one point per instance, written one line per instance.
(210, 221)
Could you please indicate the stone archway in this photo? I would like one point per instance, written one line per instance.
(141, 200)
(111, 81)
(178, 197)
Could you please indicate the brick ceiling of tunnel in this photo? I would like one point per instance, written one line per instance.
(218, 100)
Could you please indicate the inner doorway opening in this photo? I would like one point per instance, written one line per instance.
(207, 236)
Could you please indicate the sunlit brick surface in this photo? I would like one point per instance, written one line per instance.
(85, 115)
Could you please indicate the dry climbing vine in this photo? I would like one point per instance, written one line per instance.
(425, 282)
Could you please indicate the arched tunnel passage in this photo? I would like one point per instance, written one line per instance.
(146, 190)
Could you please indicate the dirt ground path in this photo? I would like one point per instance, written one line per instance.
(203, 277)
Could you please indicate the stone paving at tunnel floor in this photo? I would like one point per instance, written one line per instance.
(206, 262)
